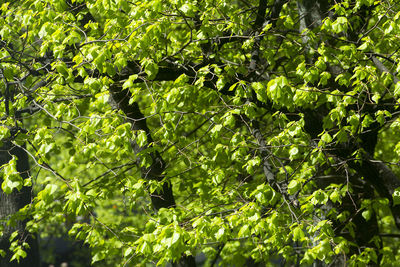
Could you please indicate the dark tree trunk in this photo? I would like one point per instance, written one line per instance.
(10, 204)
(164, 198)
(312, 13)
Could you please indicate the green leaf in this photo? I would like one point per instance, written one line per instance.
(334, 196)
(98, 257)
(141, 138)
(128, 252)
(397, 89)
(62, 68)
(4, 132)
(293, 152)
(244, 231)
(298, 234)
(8, 73)
(396, 196)
(326, 137)
(130, 82)
(151, 69)
(367, 214)
(293, 187)
(12, 179)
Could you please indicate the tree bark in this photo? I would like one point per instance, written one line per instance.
(10, 204)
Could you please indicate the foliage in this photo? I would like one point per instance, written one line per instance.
(245, 130)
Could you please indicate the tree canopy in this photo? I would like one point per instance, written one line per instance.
(246, 131)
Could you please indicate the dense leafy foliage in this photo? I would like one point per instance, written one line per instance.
(246, 130)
